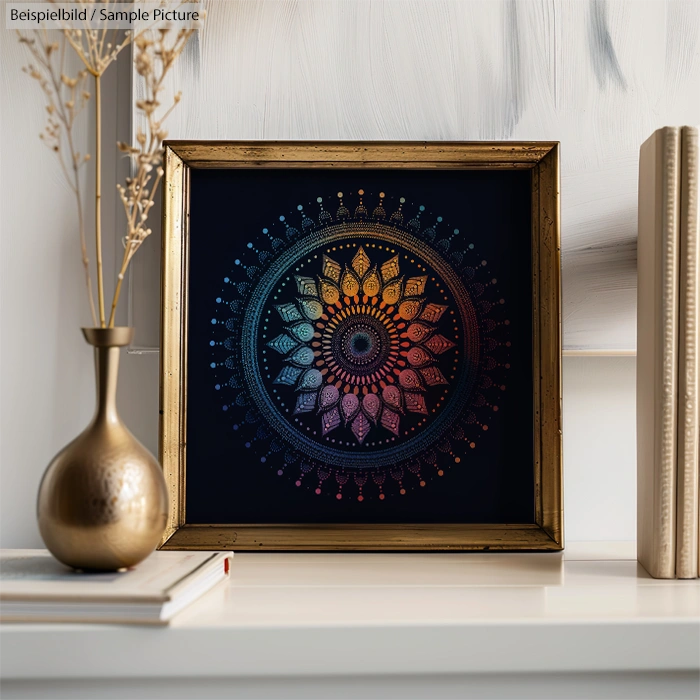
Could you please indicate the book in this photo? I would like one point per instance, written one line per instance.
(35, 587)
(658, 252)
(687, 493)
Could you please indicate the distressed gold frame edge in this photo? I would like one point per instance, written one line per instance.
(542, 158)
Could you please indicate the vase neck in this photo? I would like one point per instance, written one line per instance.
(106, 373)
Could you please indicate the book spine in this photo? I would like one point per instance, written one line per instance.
(657, 351)
(688, 428)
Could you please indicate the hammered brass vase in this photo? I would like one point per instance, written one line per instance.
(103, 502)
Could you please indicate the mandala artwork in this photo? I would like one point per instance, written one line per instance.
(359, 346)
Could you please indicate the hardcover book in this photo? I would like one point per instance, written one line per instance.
(667, 355)
(658, 253)
(688, 417)
(34, 587)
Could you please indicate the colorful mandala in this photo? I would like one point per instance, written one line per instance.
(358, 350)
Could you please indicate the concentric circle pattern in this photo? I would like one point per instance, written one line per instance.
(361, 354)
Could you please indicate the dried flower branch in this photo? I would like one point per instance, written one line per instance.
(66, 98)
(155, 52)
(97, 49)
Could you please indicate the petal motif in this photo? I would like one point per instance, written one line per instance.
(282, 344)
(361, 262)
(360, 427)
(311, 308)
(433, 312)
(328, 397)
(372, 406)
(349, 284)
(349, 406)
(331, 269)
(288, 376)
(330, 420)
(306, 401)
(372, 285)
(390, 269)
(433, 376)
(392, 292)
(311, 380)
(392, 396)
(409, 380)
(304, 356)
(302, 331)
(306, 286)
(391, 420)
(415, 402)
(409, 309)
(418, 332)
(438, 344)
(415, 286)
(329, 292)
(418, 357)
(289, 313)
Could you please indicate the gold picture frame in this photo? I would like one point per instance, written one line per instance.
(541, 159)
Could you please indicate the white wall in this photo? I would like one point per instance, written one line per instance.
(46, 372)
(600, 468)
(597, 75)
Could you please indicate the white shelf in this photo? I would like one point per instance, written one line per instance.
(590, 609)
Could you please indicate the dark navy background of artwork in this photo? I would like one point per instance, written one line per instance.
(226, 482)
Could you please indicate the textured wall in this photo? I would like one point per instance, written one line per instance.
(46, 371)
(434, 70)
(597, 75)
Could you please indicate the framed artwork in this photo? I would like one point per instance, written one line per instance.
(361, 346)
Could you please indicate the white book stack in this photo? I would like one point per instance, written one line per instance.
(34, 587)
(668, 519)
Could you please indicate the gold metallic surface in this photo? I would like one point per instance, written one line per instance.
(541, 159)
(103, 500)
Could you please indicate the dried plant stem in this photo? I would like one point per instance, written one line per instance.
(117, 290)
(98, 197)
(75, 186)
(155, 52)
(83, 245)
(130, 248)
(66, 98)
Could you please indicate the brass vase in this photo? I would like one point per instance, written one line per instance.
(103, 502)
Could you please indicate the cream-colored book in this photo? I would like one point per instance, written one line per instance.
(688, 424)
(658, 253)
(34, 587)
